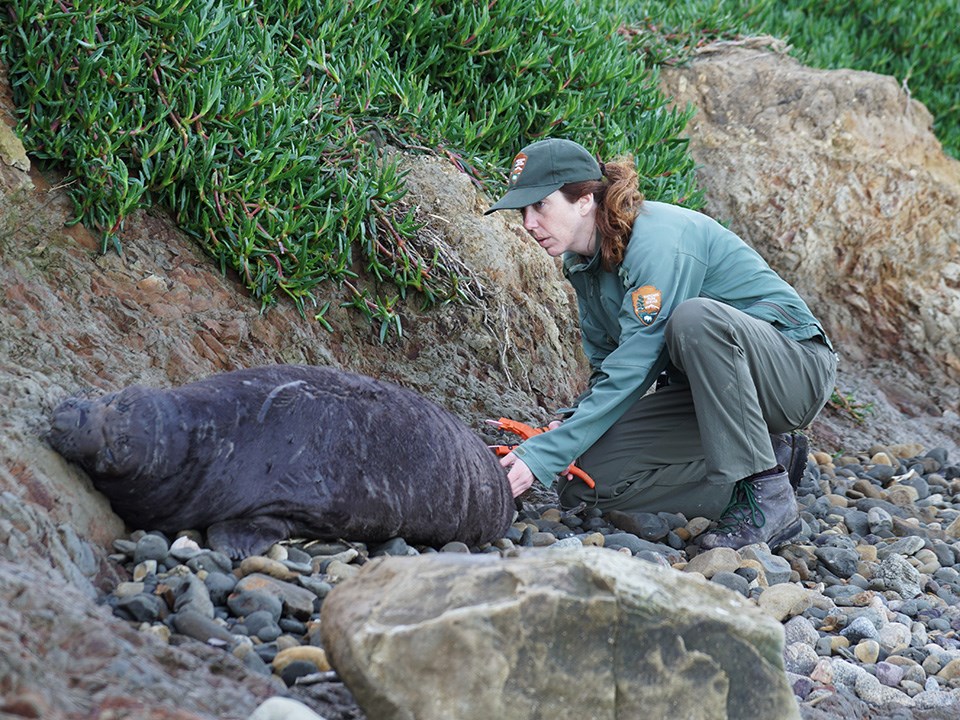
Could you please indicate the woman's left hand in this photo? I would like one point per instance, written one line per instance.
(519, 476)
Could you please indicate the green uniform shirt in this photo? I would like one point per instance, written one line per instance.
(674, 254)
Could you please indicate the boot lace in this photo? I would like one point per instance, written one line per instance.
(743, 509)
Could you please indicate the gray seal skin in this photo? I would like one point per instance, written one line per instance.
(264, 454)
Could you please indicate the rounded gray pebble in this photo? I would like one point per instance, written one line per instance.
(245, 602)
(859, 629)
(800, 629)
(151, 547)
(732, 581)
(800, 658)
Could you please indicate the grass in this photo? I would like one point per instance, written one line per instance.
(262, 126)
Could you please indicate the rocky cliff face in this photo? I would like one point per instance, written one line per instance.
(836, 178)
(833, 176)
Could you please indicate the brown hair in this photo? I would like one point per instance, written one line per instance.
(618, 199)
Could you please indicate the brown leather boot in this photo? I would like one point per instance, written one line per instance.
(791, 450)
(762, 509)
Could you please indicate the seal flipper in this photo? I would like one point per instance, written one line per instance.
(241, 537)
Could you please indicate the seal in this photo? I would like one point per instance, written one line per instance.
(265, 454)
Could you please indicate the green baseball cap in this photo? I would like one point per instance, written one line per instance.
(544, 167)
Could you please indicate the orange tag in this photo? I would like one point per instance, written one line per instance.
(647, 301)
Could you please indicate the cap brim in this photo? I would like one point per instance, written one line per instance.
(521, 197)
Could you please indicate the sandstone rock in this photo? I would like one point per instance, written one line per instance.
(713, 561)
(313, 655)
(267, 566)
(784, 601)
(585, 633)
(813, 165)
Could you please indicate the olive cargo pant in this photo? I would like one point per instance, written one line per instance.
(682, 448)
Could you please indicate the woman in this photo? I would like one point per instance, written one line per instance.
(665, 290)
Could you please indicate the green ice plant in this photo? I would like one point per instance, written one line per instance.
(264, 126)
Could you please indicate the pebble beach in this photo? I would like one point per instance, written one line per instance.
(868, 595)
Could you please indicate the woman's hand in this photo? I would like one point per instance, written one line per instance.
(519, 476)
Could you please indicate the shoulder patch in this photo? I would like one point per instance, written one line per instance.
(647, 301)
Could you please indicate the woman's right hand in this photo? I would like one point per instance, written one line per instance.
(518, 475)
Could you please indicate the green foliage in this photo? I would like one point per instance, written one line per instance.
(847, 404)
(262, 125)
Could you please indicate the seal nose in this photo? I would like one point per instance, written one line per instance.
(70, 429)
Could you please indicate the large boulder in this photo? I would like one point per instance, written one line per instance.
(837, 179)
(551, 633)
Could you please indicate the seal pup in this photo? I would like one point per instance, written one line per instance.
(264, 454)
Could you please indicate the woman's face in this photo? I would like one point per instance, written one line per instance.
(559, 225)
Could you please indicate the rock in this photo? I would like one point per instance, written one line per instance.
(210, 561)
(337, 571)
(647, 526)
(902, 495)
(784, 601)
(867, 651)
(296, 601)
(895, 573)
(800, 629)
(842, 562)
(903, 546)
(893, 637)
(800, 658)
(776, 569)
(879, 520)
(151, 547)
(266, 566)
(950, 671)
(141, 608)
(859, 629)
(872, 691)
(295, 670)
(192, 594)
(713, 561)
(455, 546)
(200, 627)
(936, 699)
(552, 626)
(765, 128)
(279, 708)
(314, 655)
(262, 624)
(219, 586)
(889, 674)
(732, 581)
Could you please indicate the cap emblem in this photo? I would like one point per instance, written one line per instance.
(519, 163)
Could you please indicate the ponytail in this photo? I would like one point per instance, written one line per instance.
(618, 199)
